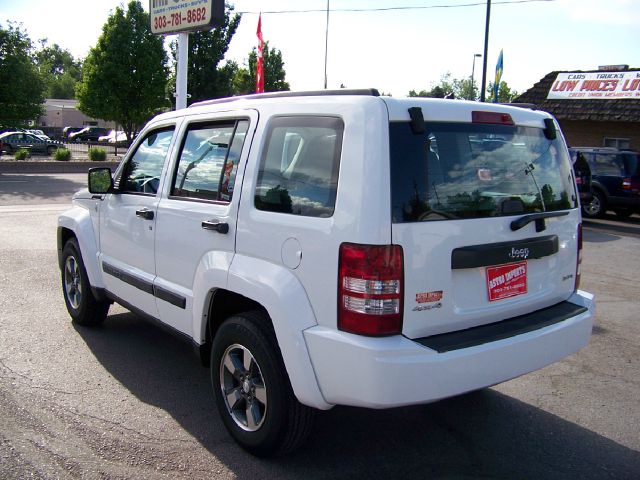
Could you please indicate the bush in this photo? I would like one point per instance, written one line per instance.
(97, 154)
(21, 154)
(62, 155)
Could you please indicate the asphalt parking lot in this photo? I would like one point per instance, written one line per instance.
(128, 400)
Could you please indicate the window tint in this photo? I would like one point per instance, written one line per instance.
(142, 172)
(209, 161)
(608, 164)
(456, 171)
(299, 166)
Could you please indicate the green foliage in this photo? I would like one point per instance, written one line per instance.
(505, 94)
(21, 88)
(59, 71)
(62, 155)
(244, 81)
(463, 88)
(21, 154)
(124, 75)
(97, 154)
(206, 78)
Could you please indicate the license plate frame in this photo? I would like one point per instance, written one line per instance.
(506, 281)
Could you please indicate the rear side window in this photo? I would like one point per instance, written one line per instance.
(209, 161)
(608, 164)
(299, 166)
(461, 171)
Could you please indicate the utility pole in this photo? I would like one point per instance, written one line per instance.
(326, 47)
(486, 48)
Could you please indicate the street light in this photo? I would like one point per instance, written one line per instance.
(473, 71)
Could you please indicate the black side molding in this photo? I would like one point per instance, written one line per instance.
(146, 286)
(493, 332)
(504, 252)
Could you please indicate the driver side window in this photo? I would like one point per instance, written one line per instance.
(142, 172)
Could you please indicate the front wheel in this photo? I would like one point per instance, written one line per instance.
(82, 306)
(252, 389)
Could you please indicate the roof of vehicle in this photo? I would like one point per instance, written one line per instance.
(433, 109)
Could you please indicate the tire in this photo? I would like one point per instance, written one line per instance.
(249, 377)
(51, 150)
(82, 306)
(597, 207)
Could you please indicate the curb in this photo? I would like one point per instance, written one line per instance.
(53, 167)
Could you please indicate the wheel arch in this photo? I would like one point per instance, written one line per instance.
(255, 284)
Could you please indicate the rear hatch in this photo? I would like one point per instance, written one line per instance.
(485, 210)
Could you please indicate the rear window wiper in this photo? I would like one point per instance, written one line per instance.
(535, 217)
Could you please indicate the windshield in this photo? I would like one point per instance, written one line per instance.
(457, 171)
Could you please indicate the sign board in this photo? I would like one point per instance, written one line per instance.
(174, 16)
(596, 86)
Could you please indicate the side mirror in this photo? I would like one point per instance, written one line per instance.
(100, 180)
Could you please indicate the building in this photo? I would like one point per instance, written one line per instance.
(595, 108)
(61, 113)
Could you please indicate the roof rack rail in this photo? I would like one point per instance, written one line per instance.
(530, 106)
(372, 92)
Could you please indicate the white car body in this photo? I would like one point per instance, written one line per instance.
(169, 268)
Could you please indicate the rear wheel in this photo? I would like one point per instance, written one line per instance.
(596, 207)
(51, 150)
(82, 306)
(252, 389)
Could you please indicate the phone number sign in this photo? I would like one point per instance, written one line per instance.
(173, 16)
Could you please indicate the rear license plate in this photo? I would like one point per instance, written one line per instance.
(506, 281)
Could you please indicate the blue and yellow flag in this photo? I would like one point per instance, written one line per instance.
(496, 84)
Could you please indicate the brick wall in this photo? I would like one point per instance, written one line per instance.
(592, 134)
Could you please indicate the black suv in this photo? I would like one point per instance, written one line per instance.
(615, 180)
(88, 134)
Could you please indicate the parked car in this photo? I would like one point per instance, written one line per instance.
(338, 248)
(10, 142)
(67, 131)
(615, 181)
(88, 134)
(114, 136)
(582, 172)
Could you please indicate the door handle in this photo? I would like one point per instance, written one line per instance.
(145, 213)
(220, 227)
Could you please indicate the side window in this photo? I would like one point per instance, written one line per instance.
(608, 164)
(209, 161)
(142, 172)
(299, 166)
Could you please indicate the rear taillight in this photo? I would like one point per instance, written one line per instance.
(630, 185)
(370, 289)
(579, 258)
(493, 118)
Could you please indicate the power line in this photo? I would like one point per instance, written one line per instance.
(386, 9)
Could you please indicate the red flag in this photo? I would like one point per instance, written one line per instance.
(260, 63)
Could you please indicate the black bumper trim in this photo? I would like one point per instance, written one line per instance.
(472, 337)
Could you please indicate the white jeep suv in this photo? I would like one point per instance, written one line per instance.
(338, 248)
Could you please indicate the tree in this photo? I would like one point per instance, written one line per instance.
(206, 79)
(462, 88)
(21, 88)
(505, 94)
(124, 75)
(244, 81)
(59, 70)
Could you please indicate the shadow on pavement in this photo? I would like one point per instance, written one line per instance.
(484, 434)
(17, 188)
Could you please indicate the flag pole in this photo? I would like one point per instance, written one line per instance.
(486, 48)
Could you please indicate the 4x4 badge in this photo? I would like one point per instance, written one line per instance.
(517, 253)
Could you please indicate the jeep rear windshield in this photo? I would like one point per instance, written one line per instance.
(461, 171)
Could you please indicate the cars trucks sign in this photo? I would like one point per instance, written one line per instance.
(596, 85)
(174, 16)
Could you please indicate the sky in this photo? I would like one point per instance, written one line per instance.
(394, 51)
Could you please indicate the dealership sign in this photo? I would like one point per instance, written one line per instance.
(173, 16)
(596, 86)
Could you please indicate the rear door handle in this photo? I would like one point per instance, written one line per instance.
(145, 213)
(220, 227)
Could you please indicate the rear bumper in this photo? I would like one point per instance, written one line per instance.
(396, 371)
